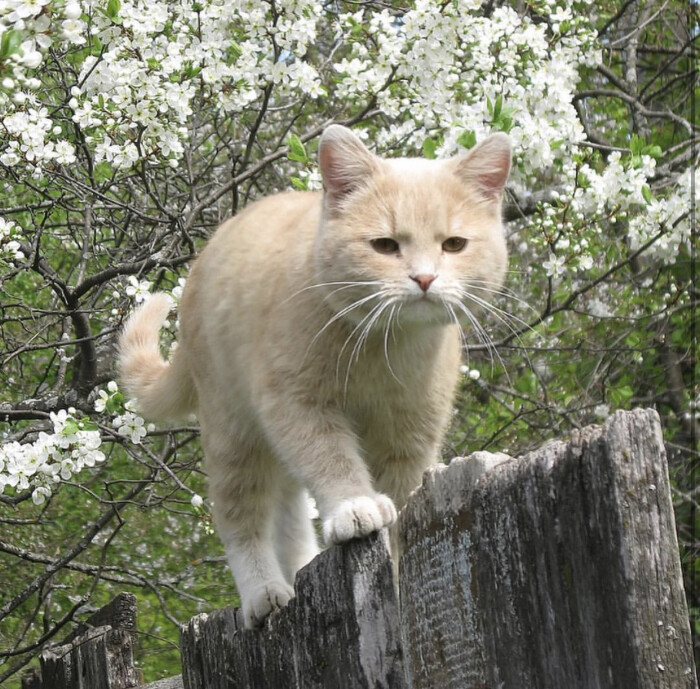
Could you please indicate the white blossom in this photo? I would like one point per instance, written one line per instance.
(555, 265)
(51, 457)
(131, 426)
(137, 289)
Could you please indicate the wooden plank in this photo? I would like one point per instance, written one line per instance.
(439, 622)
(564, 562)
(31, 679)
(340, 631)
(585, 534)
(56, 668)
(348, 611)
(100, 659)
(206, 644)
(119, 613)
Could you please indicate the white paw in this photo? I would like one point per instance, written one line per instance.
(264, 600)
(359, 517)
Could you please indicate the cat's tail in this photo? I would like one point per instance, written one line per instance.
(163, 390)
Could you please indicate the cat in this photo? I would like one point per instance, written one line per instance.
(320, 346)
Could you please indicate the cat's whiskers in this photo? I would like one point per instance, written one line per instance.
(508, 294)
(361, 326)
(481, 333)
(345, 284)
(455, 320)
(365, 327)
(355, 354)
(389, 327)
(508, 319)
(501, 315)
(341, 314)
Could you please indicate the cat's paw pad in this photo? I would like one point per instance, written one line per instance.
(264, 600)
(359, 517)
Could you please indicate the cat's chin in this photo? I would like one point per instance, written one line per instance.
(425, 311)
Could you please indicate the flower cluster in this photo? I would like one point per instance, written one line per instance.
(51, 457)
(463, 75)
(28, 29)
(137, 289)
(73, 445)
(10, 234)
(125, 419)
(668, 217)
(130, 425)
(134, 92)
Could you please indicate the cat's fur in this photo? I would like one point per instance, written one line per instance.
(316, 360)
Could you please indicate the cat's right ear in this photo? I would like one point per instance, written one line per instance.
(486, 166)
(345, 163)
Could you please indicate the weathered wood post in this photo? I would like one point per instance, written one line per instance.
(559, 570)
(102, 657)
(98, 654)
(340, 632)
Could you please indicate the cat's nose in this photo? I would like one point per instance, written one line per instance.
(424, 281)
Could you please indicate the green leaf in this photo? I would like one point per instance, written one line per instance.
(113, 7)
(467, 139)
(495, 108)
(297, 152)
(9, 43)
(115, 403)
(429, 147)
(501, 117)
(620, 397)
(636, 144)
(234, 51)
(299, 183)
(504, 123)
(71, 427)
(646, 193)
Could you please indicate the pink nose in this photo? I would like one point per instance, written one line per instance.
(424, 281)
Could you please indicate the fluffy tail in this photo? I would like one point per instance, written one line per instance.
(164, 391)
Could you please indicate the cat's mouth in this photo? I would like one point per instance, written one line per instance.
(429, 297)
(428, 306)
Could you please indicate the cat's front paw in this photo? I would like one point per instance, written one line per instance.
(264, 600)
(359, 517)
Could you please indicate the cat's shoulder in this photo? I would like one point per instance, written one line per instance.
(283, 202)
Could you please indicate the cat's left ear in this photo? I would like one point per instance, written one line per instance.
(345, 163)
(486, 166)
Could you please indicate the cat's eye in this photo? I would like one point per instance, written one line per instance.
(385, 245)
(454, 245)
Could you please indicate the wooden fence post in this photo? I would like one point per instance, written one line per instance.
(103, 657)
(98, 654)
(557, 570)
(340, 632)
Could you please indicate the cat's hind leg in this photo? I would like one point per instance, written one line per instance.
(244, 487)
(295, 536)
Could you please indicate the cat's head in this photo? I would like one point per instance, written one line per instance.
(419, 238)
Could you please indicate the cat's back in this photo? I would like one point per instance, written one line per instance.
(266, 228)
(250, 265)
(261, 247)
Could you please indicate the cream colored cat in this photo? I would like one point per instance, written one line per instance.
(320, 347)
